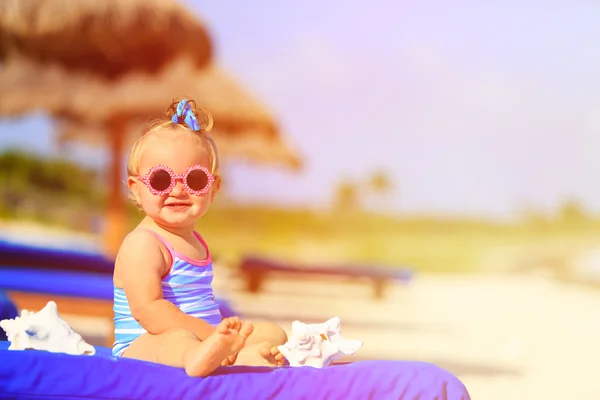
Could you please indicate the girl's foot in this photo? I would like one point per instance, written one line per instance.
(260, 354)
(228, 339)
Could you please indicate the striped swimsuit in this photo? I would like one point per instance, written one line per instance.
(188, 285)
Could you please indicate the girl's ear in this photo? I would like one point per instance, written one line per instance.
(134, 190)
(216, 186)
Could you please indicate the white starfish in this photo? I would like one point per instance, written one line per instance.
(44, 330)
(317, 345)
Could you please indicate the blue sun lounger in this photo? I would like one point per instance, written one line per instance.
(33, 374)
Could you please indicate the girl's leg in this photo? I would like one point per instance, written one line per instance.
(182, 349)
(269, 332)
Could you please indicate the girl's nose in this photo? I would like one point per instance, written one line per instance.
(178, 188)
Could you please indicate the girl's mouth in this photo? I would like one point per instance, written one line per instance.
(177, 206)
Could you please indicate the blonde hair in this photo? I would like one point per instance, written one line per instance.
(152, 129)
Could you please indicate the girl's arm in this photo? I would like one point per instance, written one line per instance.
(142, 266)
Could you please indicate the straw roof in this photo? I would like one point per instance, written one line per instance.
(109, 37)
(251, 146)
(84, 103)
(90, 62)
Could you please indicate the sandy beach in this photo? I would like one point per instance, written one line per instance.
(504, 337)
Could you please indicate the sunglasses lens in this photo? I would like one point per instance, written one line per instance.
(197, 179)
(160, 180)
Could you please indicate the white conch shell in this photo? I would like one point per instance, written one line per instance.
(317, 345)
(44, 330)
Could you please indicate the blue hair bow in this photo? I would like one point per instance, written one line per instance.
(185, 113)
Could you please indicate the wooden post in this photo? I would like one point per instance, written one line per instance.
(116, 213)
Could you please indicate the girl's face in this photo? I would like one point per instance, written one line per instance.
(178, 208)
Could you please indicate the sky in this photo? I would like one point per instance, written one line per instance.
(469, 107)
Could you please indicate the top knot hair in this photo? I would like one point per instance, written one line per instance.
(185, 112)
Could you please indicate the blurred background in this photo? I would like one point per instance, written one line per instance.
(428, 169)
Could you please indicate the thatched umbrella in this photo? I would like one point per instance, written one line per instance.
(83, 104)
(80, 80)
(107, 37)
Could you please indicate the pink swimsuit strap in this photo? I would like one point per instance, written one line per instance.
(177, 255)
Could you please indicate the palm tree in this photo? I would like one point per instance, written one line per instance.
(380, 182)
(571, 212)
(346, 196)
(381, 188)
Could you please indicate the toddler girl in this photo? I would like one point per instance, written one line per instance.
(164, 306)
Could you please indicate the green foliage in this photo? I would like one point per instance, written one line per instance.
(47, 189)
(20, 171)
